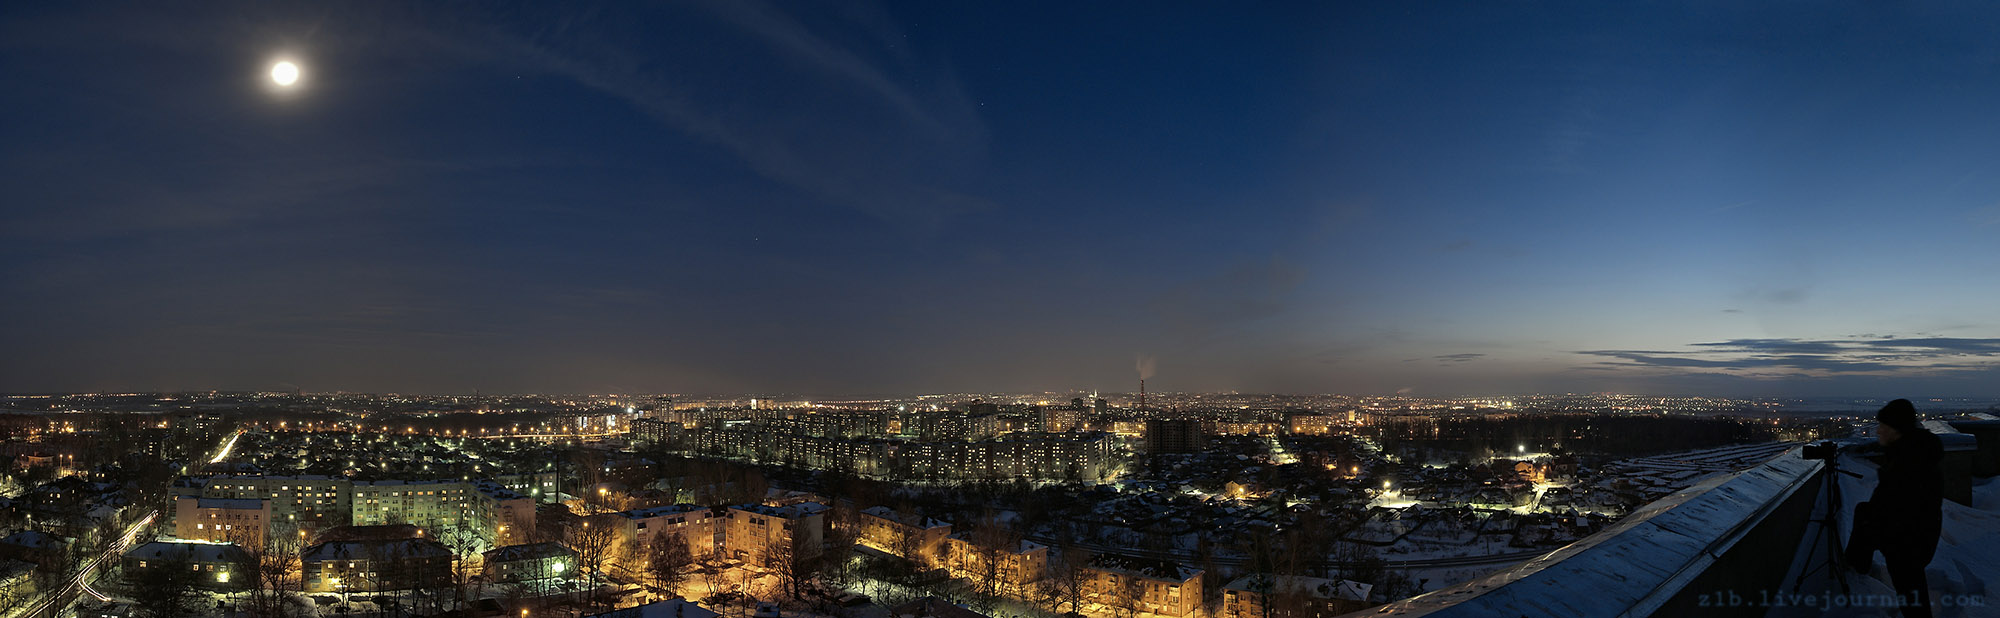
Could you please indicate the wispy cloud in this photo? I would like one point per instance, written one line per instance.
(1788, 358)
(834, 125)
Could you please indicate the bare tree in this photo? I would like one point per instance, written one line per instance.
(1129, 595)
(714, 576)
(1359, 562)
(1067, 582)
(588, 466)
(750, 486)
(466, 542)
(843, 531)
(274, 573)
(992, 543)
(593, 543)
(909, 541)
(168, 586)
(668, 561)
(787, 561)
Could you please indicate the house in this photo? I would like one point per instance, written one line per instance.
(33, 546)
(1261, 595)
(537, 564)
(219, 566)
(17, 581)
(376, 565)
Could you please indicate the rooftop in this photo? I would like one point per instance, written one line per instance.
(527, 552)
(1312, 586)
(375, 550)
(1156, 569)
(190, 551)
(917, 521)
(788, 512)
(657, 511)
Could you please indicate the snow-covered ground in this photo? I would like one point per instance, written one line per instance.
(1964, 575)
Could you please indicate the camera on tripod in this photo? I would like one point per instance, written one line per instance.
(1826, 449)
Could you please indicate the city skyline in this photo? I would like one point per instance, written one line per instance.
(901, 198)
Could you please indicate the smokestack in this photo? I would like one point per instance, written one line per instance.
(1145, 365)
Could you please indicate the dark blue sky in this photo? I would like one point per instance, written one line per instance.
(837, 197)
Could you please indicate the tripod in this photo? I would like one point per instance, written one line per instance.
(1829, 525)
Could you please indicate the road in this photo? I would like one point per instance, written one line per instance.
(53, 602)
(226, 448)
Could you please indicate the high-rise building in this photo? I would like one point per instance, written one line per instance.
(314, 503)
(1174, 436)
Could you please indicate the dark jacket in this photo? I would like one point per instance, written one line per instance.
(1909, 488)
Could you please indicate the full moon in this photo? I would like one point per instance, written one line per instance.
(285, 73)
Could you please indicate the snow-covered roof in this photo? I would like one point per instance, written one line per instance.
(192, 552)
(375, 550)
(1156, 569)
(1312, 586)
(891, 515)
(527, 552)
(661, 511)
(788, 512)
(34, 539)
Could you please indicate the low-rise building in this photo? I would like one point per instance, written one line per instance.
(539, 565)
(914, 537)
(17, 582)
(702, 527)
(1014, 566)
(218, 566)
(33, 546)
(1167, 589)
(1268, 596)
(376, 565)
(773, 534)
(222, 520)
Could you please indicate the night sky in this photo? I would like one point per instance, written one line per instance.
(843, 198)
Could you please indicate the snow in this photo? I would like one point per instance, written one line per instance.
(1634, 565)
(1965, 567)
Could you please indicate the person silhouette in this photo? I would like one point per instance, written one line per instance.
(1904, 516)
